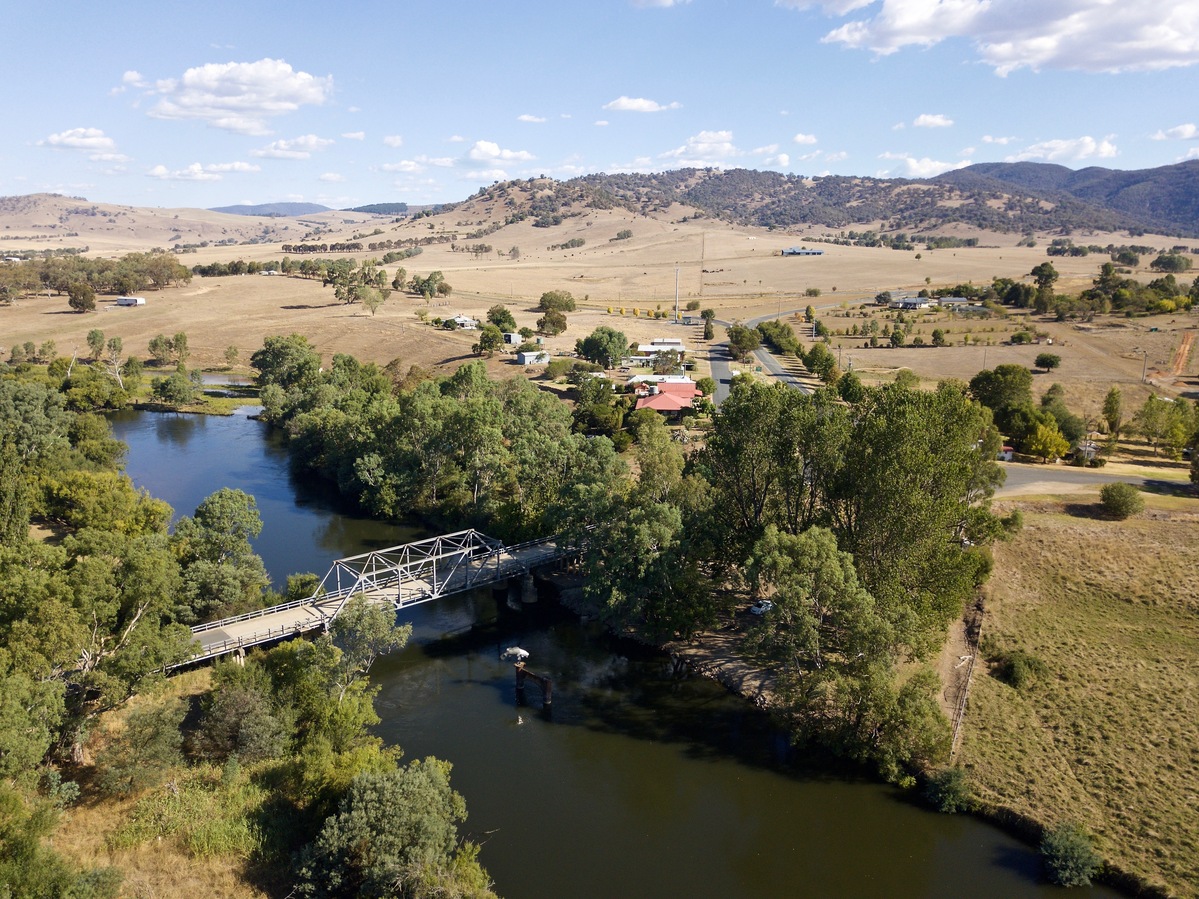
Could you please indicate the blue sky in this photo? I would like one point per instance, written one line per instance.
(207, 104)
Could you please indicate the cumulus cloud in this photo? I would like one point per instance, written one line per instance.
(355, 135)
(1002, 141)
(331, 176)
(194, 172)
(530, 118)
(81, 139)
(1188, 131)
(836, 157)
(198, 172)
(922, 167)
(456, 139)
(764, 151)
(928, 120)
(601, 123)
(802, 138)
(658, 4)
(708, 148)
(1088, 35)
(487, 151)
(639, 104)
(485, 175)
(297, 148)
(238, 96)
(394, 140)
(1070, 150)
(782, 160)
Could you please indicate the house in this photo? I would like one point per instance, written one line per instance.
(1006, 454)
(131, 301)
(511, 338)
(668, 396)
(534, 357)
(465, 322)
(802, 251)
(666, 403)
(907, 303)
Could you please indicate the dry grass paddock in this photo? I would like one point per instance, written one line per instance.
(1109, 736)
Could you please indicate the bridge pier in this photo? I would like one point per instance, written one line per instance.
(546, 684)
(528, 589)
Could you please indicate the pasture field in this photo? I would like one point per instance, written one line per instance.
(1107, 734)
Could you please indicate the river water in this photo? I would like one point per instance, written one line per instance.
(642, 781)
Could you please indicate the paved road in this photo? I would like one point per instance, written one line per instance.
(722, 373)
(1024, 479)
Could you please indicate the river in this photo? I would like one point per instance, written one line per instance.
(642, 781)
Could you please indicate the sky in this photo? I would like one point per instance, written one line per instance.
(186, 104)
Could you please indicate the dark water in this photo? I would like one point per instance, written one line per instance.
(643, 781)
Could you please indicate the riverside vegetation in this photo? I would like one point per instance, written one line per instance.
(867, 523)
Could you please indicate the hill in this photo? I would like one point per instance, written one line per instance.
(272, 210)
(1163, 199)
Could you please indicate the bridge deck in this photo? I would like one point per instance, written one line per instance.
(467, 563)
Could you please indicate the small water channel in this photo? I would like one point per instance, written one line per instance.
(642, 781)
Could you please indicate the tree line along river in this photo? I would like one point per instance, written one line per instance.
(644, 780)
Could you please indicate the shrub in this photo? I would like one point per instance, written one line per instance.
(947, 791)
(1069, 857)
(1121, 500)
(1018, 669)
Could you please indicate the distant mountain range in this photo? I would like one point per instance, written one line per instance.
(1007, 197)
(274, 210)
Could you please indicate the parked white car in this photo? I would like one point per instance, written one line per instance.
(761, 607)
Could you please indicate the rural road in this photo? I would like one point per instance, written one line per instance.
(719, 358)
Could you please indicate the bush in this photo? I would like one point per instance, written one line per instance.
(1121, 500)
(947, 791)
(1069, 857)
(1018, 669)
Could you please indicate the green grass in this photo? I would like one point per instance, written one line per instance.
(1109, 737)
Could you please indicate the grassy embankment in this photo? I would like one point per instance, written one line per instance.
(1108, 734)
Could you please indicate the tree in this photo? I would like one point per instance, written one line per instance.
(553, 322)
(605, 346)
(95, 343)
(372, 298)
(161, 349)
(1121, 500)
(556, 301)
(150, 745)
(364, 631)
(392, 828)
(1046, 276)
(1171, 262)
(1048, 443)
(499, 316)
(1113, 408)
(81, 297)
(1005, 387)
(221, 571)
(181, 352)
(1048, 361)
(491, 338)
(896, 337)
(1069, 856)
(742, 341)
(938, 337)
(706, 386)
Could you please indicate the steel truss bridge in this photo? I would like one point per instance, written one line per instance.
(400, 576)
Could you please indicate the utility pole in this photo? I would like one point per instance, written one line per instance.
(676, 295)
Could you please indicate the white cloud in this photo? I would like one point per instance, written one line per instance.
(238, 96)
(487, 151)
(639, 104)
(782, 160)
(1089, 35)
(394, 140)
(934, 120)
(708, 148)
(194, 172)
(1002, 141)
(764, 151)
(456, 139)
(1192, 153)
(198, 172)
(443, 162)
(128, 80)
(355, 135)
(1068, 150)
(297, 148)
(404, 165)
(1188, 131)
(485, 175)
(923, 167)
(331, 176)
(82, 139)
(658, 4)
(836, 157)
(109, 157)
(530, 118)
(802, 138)
(601, 123)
